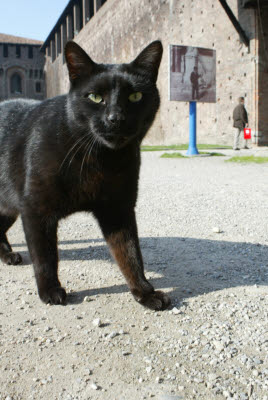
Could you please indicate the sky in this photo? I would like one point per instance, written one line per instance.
(33, 19)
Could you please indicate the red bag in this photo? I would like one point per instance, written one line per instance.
(247, 133)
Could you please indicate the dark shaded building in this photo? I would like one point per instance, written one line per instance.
(21, 68)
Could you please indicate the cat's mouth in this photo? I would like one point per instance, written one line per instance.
(115, 140)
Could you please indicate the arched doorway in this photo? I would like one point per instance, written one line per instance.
(16, 84)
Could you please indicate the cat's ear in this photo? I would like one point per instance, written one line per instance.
(78, 62)
(149, 59)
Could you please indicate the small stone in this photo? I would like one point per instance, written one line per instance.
(144, 328)
(88, 371)
(257, 361)
(47, 328)
(112, 335)
(198, 380)
(216, 229)
(96, 322)
(250, 390)
(212, 377)
(175, 311)
(94, 386)
(218, 345)
(87, 299)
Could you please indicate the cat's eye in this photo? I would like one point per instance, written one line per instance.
(135, 97)
(96, 98)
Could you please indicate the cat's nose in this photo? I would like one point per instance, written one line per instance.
(115, 118)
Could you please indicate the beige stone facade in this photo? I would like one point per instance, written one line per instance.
(21, 68)
(115, 31)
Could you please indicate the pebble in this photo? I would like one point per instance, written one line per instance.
(216, 229)
(87, 299)
(112, 335)
(125, 353)
(94, 386)
(97, 322)
(175, 311)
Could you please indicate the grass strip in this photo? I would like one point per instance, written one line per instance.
(248, 159)
(184, 147)
(179, 155)
(172, 155)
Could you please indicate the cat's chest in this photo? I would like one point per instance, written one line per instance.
(107, 186)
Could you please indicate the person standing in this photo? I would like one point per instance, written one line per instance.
(240, 117)
(195, 85)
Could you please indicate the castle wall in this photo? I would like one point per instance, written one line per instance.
(30, 70)
(122, 28)
(262, 89)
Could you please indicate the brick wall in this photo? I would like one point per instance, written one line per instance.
(121, 28)
(262, 90)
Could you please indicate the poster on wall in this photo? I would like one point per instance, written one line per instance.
(192, 74)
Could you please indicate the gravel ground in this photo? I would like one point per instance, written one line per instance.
(204, 237)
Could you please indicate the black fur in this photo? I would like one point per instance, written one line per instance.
(70, 154)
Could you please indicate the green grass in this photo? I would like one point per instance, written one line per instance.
(183, 147)
(172, 155)
(249, 159)
(179, 155)
(213, 154)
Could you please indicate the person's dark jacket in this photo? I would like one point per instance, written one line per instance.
(240, 116)
(194, 78)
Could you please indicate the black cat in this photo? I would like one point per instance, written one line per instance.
(80, 152)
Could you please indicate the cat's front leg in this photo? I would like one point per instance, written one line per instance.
(41, 237)
(120, 231)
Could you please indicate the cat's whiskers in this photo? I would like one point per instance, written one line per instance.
(71, 149)
(84, 142)
(87, 146)
(88, 150)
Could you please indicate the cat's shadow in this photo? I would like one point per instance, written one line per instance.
(186, 267)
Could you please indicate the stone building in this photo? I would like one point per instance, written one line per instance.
(114, 31)
(21, 68)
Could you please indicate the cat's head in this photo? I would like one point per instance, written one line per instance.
(116, 103)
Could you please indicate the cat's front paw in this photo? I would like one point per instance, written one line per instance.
(12, 258)
(156, 301)
(55, 295)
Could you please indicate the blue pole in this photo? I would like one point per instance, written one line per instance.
(192, 150)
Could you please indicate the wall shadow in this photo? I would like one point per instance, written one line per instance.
(186, 266)
(190, 267)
